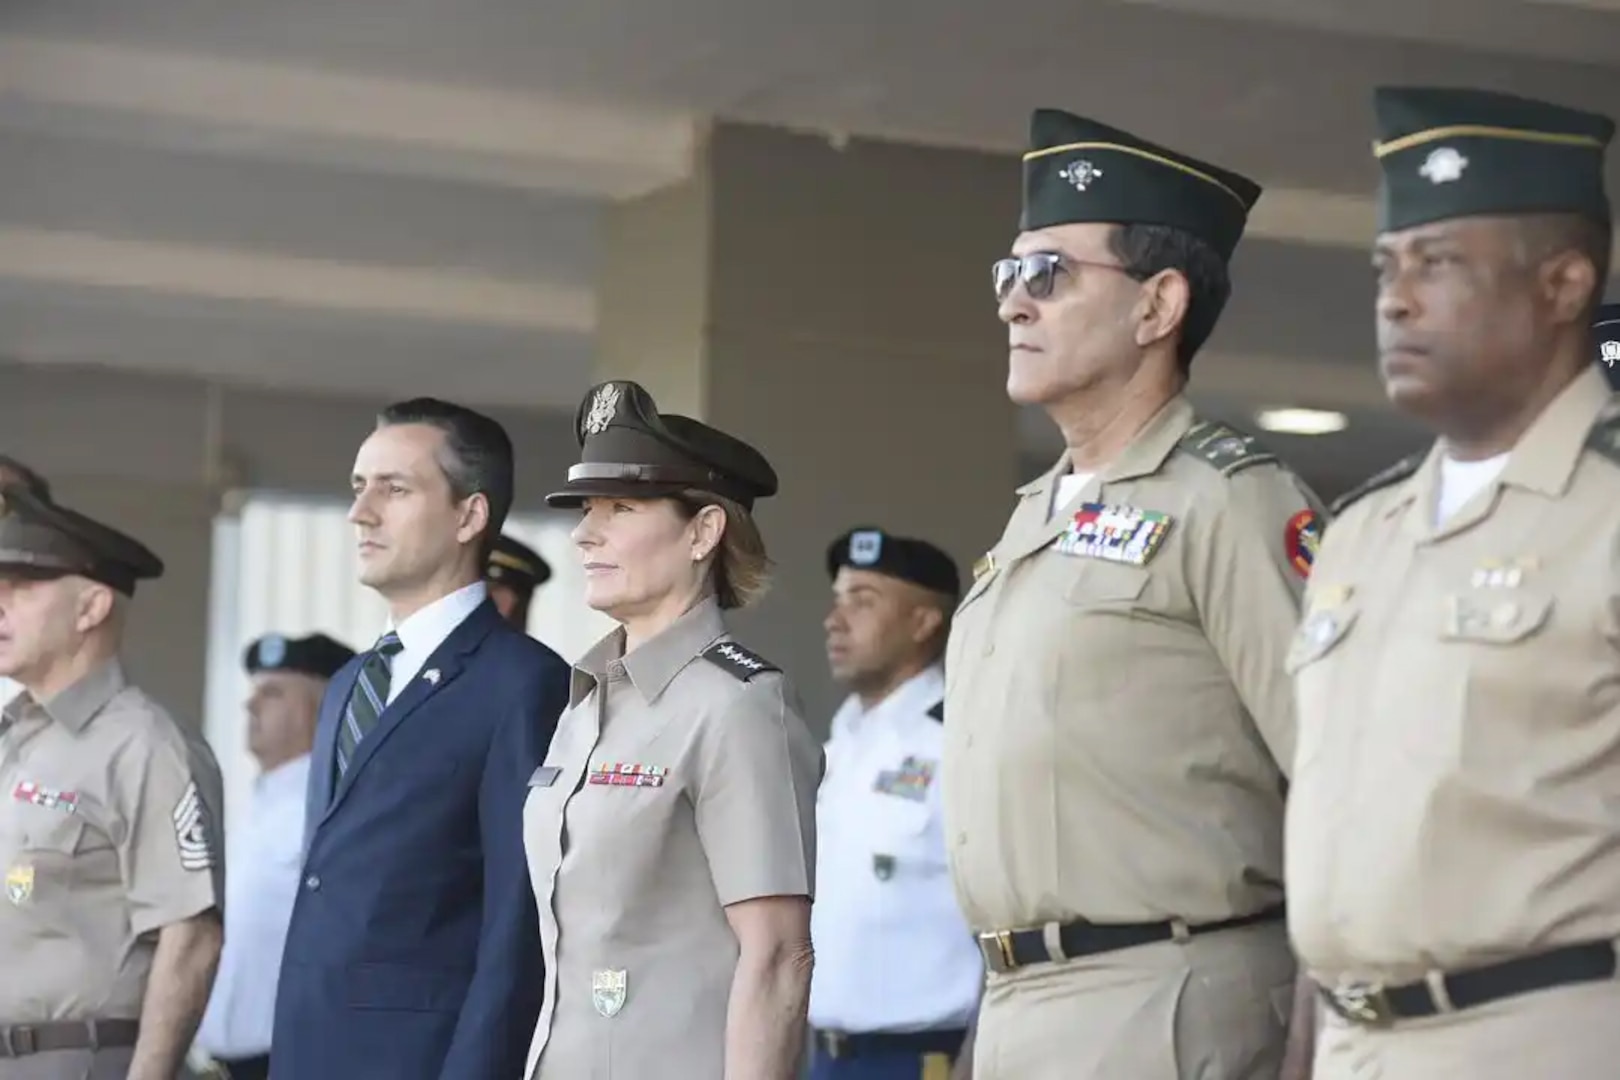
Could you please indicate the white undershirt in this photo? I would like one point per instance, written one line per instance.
(1462, 480)
(1069, 488)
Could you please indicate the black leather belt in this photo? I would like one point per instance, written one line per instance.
(854, 1044)
(1373, 1004)
(1005, 950)
(22, 1040)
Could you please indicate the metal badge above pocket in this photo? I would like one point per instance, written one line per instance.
(1495, 616)
(545, 776)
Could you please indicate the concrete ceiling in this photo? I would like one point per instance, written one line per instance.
(354, 197)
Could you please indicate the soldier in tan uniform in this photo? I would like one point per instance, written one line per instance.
(1453, 842)
(675, 905)
(109, 923)
(1118, 723)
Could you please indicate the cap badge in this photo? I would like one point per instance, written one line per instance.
(603, 408)
(865, 547)
(1443, 166)
(272, 651)
(1611, 353)
(1080, 174)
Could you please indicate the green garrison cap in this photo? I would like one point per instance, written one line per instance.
(629, 449)
(1081, 171)
(1448, 153)
(38, 538)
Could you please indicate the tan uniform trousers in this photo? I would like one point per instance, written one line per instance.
(1215, 1007)
(1567, 1033)
(110, 1064)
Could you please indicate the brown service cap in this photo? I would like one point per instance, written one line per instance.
(516, 565)
(40, 539)
(629, 449)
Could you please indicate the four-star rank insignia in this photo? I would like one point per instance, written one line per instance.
(1116, 533)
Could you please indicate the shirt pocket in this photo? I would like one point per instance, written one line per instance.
(1318, 635)
(1099, 583)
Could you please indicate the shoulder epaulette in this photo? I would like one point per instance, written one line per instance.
(737, 661)
(1392, 475)
(937, 712)
(1224, 447)
(1604, 438)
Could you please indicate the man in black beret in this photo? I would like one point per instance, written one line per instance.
(884, 900)
(1453, 837)
(109, 839)
(513, 572)
(1116, 667)
(288, 676)
(1606, 331)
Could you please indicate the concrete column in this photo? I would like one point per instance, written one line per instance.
(833, 307)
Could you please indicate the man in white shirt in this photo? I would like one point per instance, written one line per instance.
(289, 677)
(897, 975)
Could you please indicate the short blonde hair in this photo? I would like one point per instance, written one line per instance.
(741, 567)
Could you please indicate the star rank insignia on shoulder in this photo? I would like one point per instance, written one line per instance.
(1224, 447)
(737, 661)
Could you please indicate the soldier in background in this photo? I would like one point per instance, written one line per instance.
(289, 677)
(513, 571)
(109, 824)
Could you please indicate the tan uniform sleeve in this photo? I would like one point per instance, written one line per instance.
(169, 794)
(755, 804)
(1248, 589)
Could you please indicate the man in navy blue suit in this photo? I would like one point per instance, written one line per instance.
(414, 950)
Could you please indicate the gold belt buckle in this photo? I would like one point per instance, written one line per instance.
(1002, 950)
(1364, 1003)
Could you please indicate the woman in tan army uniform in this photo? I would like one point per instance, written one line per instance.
(670, 832)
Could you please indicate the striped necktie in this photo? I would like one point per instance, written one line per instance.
(367, 701)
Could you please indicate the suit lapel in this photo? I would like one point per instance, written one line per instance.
(324, 751)
(449, 659)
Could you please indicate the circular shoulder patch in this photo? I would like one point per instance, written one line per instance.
(1301, 537)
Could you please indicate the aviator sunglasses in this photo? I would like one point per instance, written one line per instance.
(1037, 272)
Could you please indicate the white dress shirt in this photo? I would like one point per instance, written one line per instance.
(8, 691)
(893, 952)
(424, 631)
(264, 858)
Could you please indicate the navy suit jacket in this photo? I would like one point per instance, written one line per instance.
(414, 948)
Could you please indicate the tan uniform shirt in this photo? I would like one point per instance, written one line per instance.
(1114, 722)
(681, 780)
(1457, 788)
(108, 832)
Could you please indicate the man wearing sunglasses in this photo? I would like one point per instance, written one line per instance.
(1120, 725)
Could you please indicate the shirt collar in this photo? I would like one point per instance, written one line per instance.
(286, 778)
(1544, 458)
(76, 706)
(425, 630)
(1144, 455)
(914, 697)
(654, 663)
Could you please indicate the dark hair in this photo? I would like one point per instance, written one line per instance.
(26, 478)
(1145, 250)
(477, 454)
(1541, 236)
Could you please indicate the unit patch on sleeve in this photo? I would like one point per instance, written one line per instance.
(1301, 537)
(738, 661)
(1226, 448)
(192, 831)
(1117, 533)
